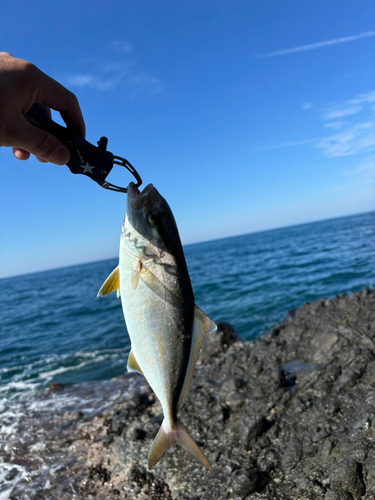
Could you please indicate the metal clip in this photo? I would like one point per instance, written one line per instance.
(85, 158)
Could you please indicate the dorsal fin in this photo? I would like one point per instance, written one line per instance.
(201, 327)
(111, 284)
(133, 365)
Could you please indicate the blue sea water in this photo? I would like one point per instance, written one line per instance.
(54, 329)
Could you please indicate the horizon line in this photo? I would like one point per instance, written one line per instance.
(193, 243)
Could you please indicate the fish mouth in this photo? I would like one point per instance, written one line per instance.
(137, 199)
(132, 190)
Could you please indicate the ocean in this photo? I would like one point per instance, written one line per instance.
(55, 329)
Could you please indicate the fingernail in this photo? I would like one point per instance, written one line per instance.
(60, 156)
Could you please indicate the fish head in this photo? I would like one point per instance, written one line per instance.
(149, 228)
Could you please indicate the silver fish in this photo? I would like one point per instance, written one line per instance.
(166, 328)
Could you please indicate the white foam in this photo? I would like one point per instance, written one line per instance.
(33, 377)
(7, 369)
(5, 468)
(19, 386)
(63, 369)
(8, 430)
(37, 446)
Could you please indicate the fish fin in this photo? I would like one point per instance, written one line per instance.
(201, 327)
(111, 284)
(135, 275)
(167, 437)
(133, 365)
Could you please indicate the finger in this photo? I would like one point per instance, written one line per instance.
(57, 97)
(46, 109)
(41, 144)
(20, 154)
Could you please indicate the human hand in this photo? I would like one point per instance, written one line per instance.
(21, 85)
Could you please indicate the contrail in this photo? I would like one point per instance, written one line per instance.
(319, 45)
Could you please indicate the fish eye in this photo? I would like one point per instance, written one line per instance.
(152, 219)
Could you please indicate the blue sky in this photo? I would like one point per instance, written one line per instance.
(246, 115)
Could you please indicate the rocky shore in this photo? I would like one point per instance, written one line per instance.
(289, 416)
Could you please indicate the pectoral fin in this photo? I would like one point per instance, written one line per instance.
(111, 284)
(133, 366)
(201, 328)
(135, 275)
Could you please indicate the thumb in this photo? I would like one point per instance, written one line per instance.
(41, 144)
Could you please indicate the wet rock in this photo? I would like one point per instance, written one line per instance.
(231, 384)
(292, 454)
(251, 427)
(12, 474)
(323, 343)
(248, 481)
(135, 434)
(289, 416)
(219, 341)
(349, 377)
(56, 387)
(234, 400)
(347, 475)
(338, 495)
(369, 476)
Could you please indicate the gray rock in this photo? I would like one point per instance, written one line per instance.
(219, 341)
(234, 400)
(338, 495)
(248, 481)
(347, 475)
(289, 416)
(369, 476)
(292, 454)
(231, 384)
(251, 427)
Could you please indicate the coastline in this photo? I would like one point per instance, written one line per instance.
(290, 415)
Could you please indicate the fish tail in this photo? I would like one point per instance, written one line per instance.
(167, 437)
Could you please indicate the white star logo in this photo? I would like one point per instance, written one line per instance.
(87, 168)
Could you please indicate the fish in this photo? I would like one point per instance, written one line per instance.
(165, 326)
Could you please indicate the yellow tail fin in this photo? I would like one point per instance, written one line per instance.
(167, 437)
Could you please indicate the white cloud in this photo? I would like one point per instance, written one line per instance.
(110, 75)
(335, 125)
(144, 80)
(357, 132)
(368, 98)
(286, 145)
(351, 107)
(319, 45)
(340, 112)
(112, 72)
(356, 139)
(121, 46)
(95, 82)
(307, 105)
